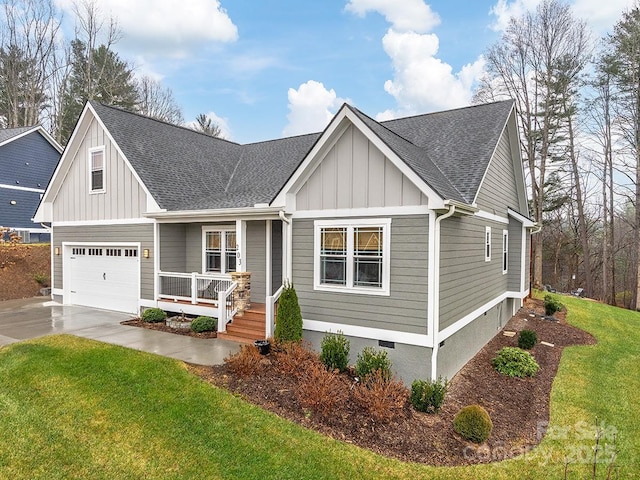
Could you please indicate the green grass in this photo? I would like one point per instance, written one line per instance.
(75, 408)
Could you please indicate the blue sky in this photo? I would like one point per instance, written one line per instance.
(265, 69)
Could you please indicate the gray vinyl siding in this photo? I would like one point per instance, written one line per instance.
(173, 257)
(142, 233)
(257, 259)
(355, 174)
(466, 281)
(515, 254)
(498, 190)
(276, 255)
(404, 310)
(124, 196)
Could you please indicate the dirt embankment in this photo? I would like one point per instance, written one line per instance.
(24, 270)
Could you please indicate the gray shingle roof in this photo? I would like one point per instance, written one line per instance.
(187, 170)
(9, 133)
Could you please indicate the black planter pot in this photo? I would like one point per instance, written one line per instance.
(263, 346)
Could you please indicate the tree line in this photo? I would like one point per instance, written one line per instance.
(46, 79)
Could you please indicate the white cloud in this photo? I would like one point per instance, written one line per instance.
(599, 15)
(222, 122)
(311, 107)
(407, 15)
(166, 26)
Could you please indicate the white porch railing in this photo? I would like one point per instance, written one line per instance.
(226, 306)
(270, 311)
(192, 287)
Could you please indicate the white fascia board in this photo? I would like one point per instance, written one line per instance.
(38, 128)
(23, 189)
(526, 222)
(253, 213)
(23, 134)
(331, 135)
(418, 339)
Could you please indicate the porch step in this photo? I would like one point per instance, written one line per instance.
(249, 327)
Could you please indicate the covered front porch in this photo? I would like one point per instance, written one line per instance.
(224, 268)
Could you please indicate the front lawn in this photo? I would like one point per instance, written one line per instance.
(75, 408)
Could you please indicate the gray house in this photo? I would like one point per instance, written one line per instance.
(28, 157)
(410, 235)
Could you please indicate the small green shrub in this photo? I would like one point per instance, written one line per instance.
(154, 315)
(428, 396)
(473, 423)
(371, 360)
(527, 339)
(515, 362)
(551, 305)
(204, 324)
(335, 351)
(42, 279)
(288, 316)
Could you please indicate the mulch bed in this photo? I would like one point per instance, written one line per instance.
(519, 408)
(162, 327)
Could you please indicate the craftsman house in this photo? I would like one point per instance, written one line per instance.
(410, 235)
(28, 157)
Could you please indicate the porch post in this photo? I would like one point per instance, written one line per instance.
(241, 245)
(268, 269)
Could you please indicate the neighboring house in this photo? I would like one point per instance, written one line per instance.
(410, 235)
(28, 157)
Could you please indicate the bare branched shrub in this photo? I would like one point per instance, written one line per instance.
(295, 358)
(246, 362)
(321, 391)
(383, 398)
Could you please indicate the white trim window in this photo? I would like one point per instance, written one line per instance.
(352, 256)
(487, 244)
(220, 250)
(505, 251)
(97, 170)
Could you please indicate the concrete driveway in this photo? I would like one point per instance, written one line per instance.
(35, 317)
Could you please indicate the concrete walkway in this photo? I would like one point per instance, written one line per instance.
(35, 317)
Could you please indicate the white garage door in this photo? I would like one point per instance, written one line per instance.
(103, 277)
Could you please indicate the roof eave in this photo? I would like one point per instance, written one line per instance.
(218, 213)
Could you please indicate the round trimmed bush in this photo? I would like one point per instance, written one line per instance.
(515, 362)
(335, 351)
(527, 339)
(204, 324)
(153, 315)
(371, 360)
(473, 423)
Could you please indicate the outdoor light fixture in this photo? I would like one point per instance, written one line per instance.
(56, 250)
(13, 202)
(145, 253)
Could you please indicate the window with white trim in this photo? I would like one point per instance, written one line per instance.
(487, 244)
(96, 170)
(352, 256)
(220, 251)
(505, 251)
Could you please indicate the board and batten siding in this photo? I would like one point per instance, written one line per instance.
(498, 190)
(515, 255)
(257, 259)
(467, 281)
(123, 198)
(405, 310)
(173, 252)
(355, 174)
(140, 233)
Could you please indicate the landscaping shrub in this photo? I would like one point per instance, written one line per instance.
(320, 390)
(527, 339)
(515, 362)
(204, 324)
(335, 351)
(294, 358)
(288, 316)
(384, 398)
(246, 362)
(371, 360)
(428, 396)
(473, 423)
(154, 315)
(551, 305)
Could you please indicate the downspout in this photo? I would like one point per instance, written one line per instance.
(49, 228)
(536, 229)
(436, 295)
(289, 252)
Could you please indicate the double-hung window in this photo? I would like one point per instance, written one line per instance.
(487, 244)
(96, 170)
(220, 251)
(352, 256)
(505, 251)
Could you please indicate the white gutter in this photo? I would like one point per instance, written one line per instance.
(227, 212)
(289, 252)
(436, 296)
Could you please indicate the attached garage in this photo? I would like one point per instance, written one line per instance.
(102, 276)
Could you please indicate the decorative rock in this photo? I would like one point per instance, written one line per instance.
(179, 323)
(547, 344)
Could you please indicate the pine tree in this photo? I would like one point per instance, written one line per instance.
(288, 317)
